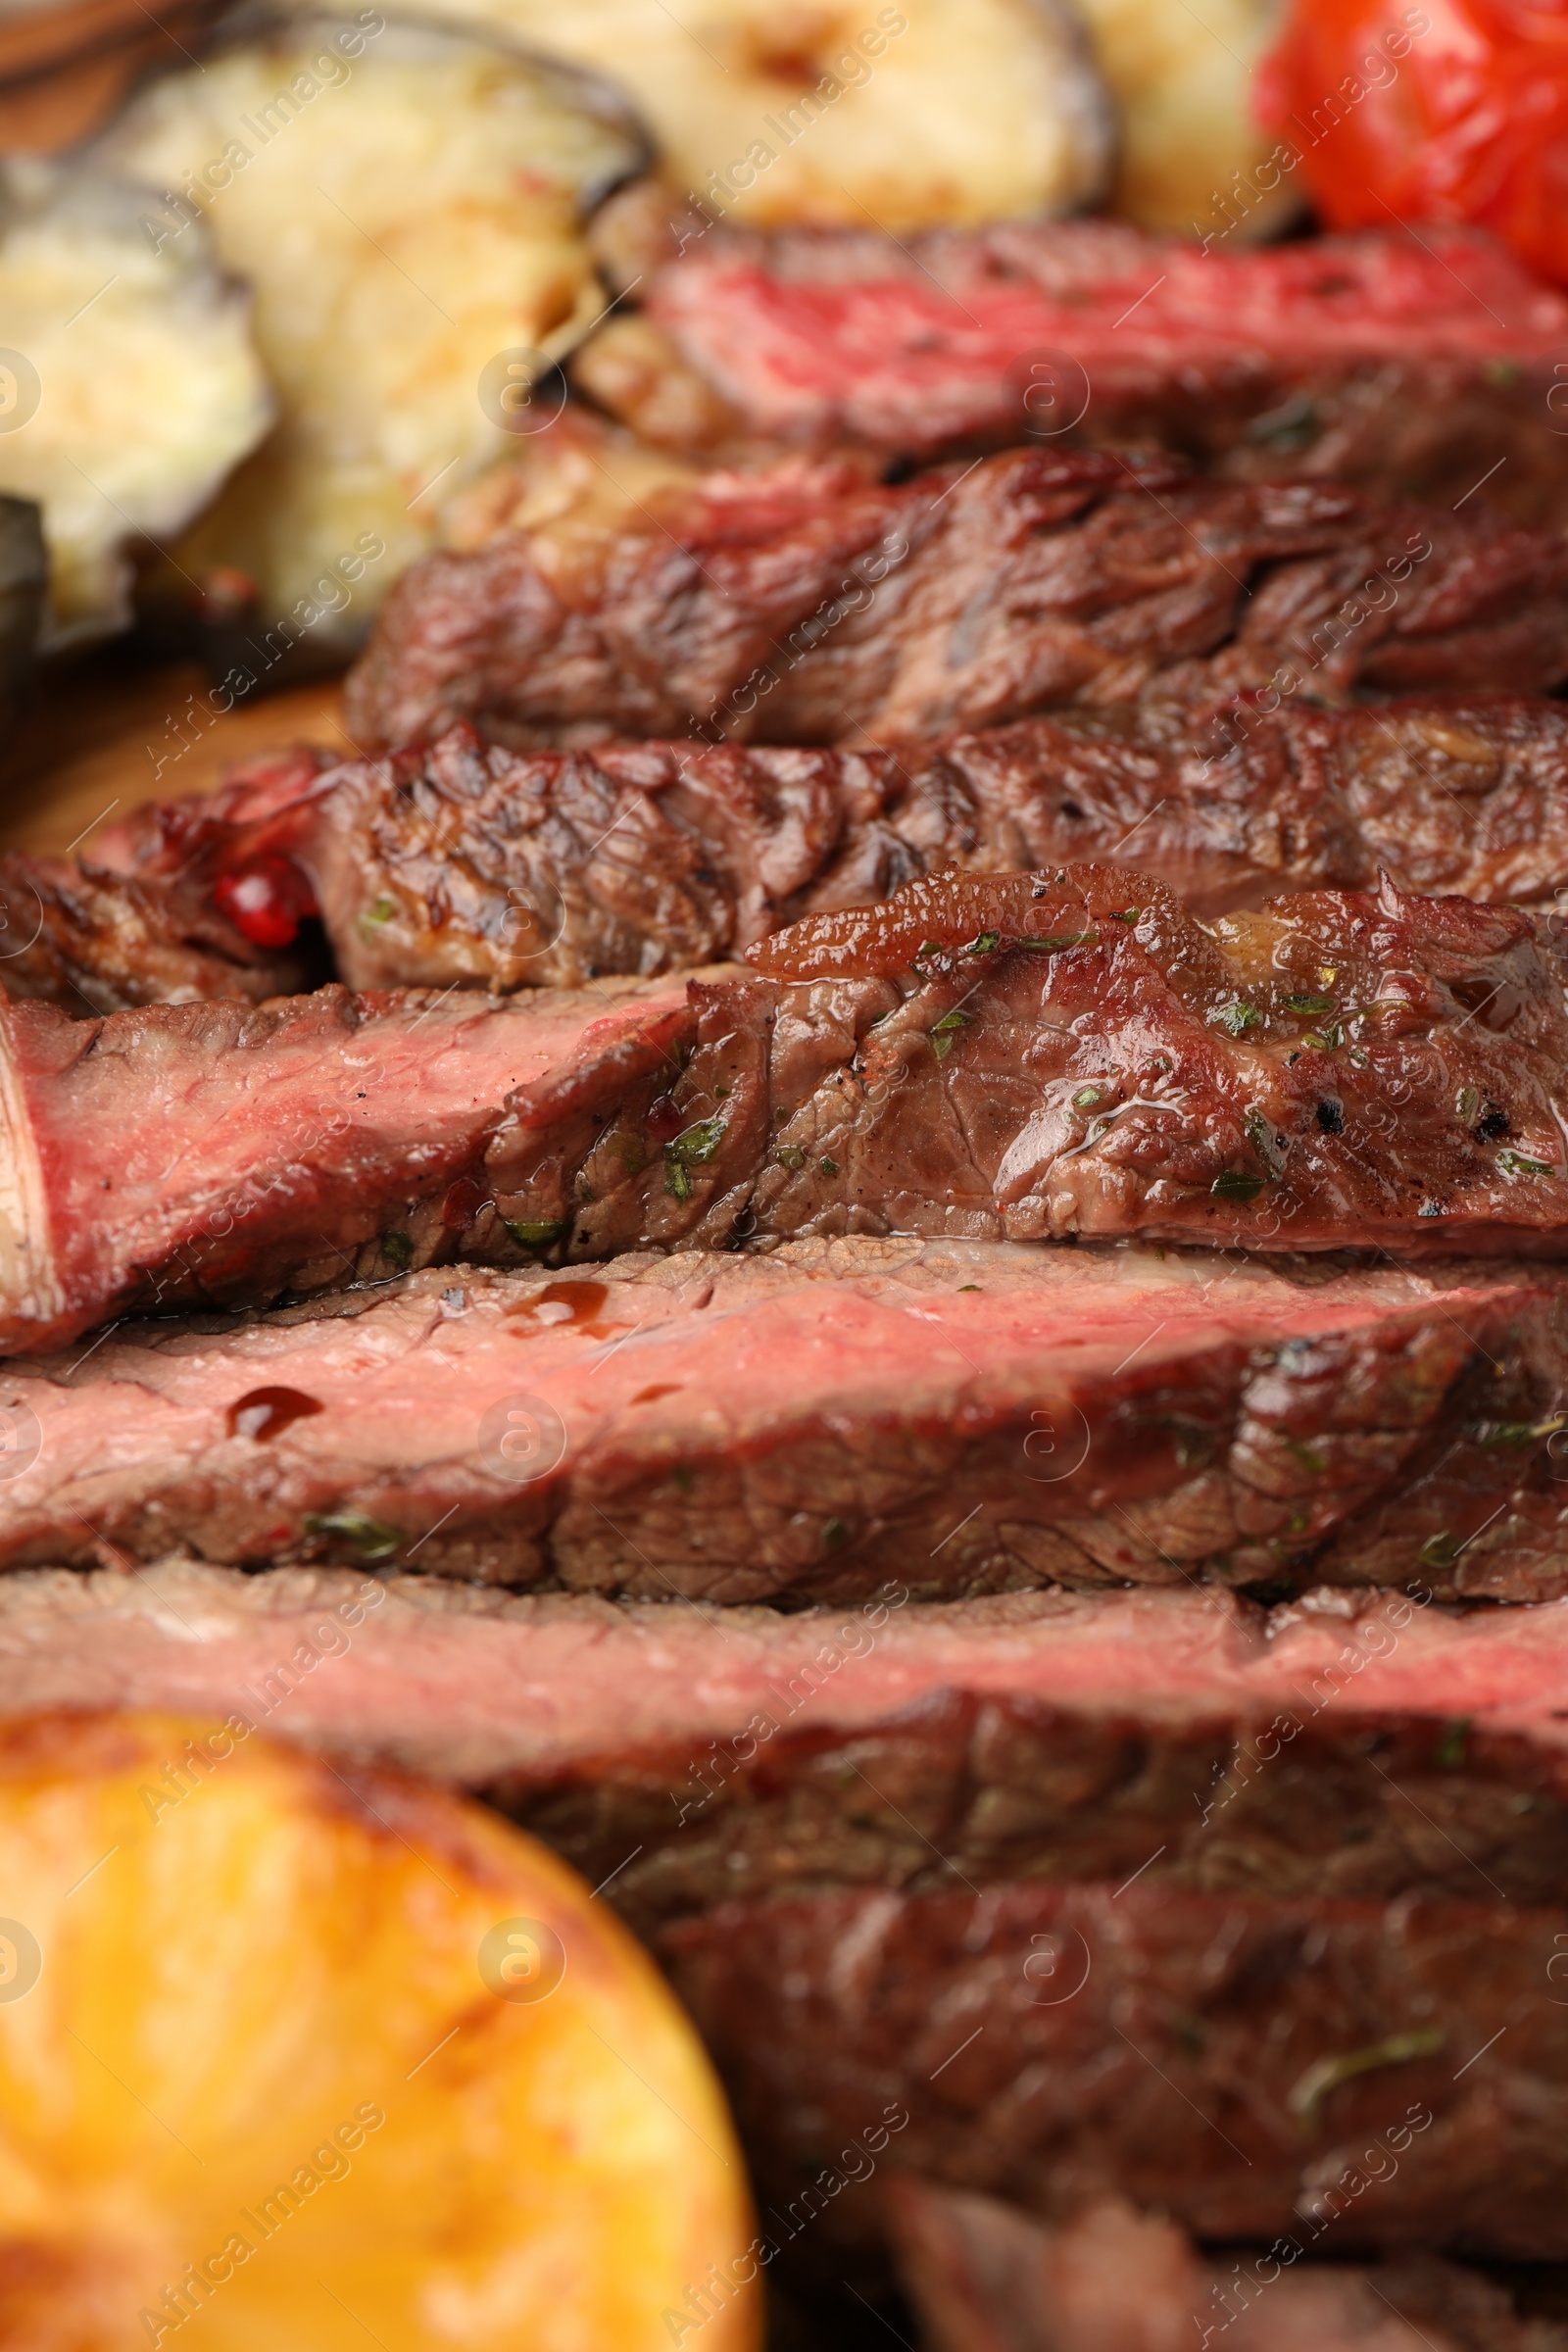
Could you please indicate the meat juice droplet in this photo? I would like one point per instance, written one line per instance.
(261, 1413)
(664, 1121)
(462, 1204)
(581, 1299)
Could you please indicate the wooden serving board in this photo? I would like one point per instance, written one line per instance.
(65, 69)
(93, 738)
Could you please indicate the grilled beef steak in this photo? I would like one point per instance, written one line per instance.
(807, 1425)
(1031, 1057)
(522, 869)
(223, 1150)
(806, 606)
(1347, 1837)
(1383, 361)
(1224, 2058)
(1005, 1056)
(986, 2277)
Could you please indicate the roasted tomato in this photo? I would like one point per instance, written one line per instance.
(1455, 111)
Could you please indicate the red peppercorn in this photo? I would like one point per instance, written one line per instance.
(265, 902)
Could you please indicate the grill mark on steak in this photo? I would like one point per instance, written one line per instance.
(809, 607)
(493, 867)
(1027, 1057)
(487, 867)
(816, 1424)
(1363, 358)
(1169, 2061)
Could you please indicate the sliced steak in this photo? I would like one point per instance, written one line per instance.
(1363, 1745)
(1225, 2059)
(507, 869)
(1389, 362)
(986, 2277)
(809, 1425)
(804, 606)
(198, 1153)
(553, 868)
(1015, 1056)
(167, 922)
(1028, 1056)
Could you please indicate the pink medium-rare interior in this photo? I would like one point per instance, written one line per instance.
(665, 1364)
(455, 1680)
(793, 348)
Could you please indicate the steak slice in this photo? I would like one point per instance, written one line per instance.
(1385, 361)
(987, 2277)
(986, 1056)
(806, 606)
(812, 1424)
(1028, 1056)
(1235, 2062)
(1366, 1746)
(197, 1153)
(503, 869)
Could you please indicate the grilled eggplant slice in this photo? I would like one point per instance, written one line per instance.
(845, 112)
(407, 205)
(1193, 159)
(129, 384)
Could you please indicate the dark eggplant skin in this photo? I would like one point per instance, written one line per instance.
(24, 585)
(230, 626)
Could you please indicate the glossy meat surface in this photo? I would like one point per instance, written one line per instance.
(1028, 1056)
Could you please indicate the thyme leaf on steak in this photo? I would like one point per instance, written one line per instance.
(1327, 2073)
(372, 1538)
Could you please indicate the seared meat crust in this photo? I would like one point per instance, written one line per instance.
(1027, 1057)
(505, 869)
(804, 606)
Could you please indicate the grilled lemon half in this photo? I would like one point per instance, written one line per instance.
(293, 2055)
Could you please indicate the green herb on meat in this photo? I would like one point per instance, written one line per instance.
(370, 1538)
(1327, 2073)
